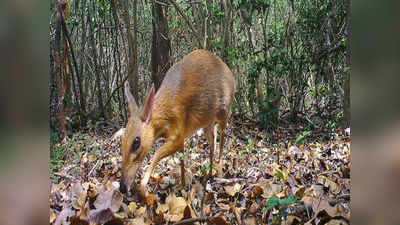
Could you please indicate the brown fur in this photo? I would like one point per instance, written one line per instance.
(196, 92)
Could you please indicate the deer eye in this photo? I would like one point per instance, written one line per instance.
(135, 144)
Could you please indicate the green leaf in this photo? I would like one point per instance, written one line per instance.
(208, 165)
(205, 167)
(272, 202)
(288, 200)
(280, 174)
(302, 136)
(181, 155)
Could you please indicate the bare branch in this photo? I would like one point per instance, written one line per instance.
(196, 34)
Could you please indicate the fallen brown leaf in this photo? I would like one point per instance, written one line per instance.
(219, 220)
(233, 189)
(52, 216)
(251, 220)
(150, 199)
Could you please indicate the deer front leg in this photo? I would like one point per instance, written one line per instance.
(170, 147)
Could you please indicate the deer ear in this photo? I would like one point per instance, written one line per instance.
(147, 106)
(131, 100)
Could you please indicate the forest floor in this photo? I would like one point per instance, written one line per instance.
(286, 175)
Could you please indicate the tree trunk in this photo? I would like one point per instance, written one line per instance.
(225, 31)
(135, 75)
(96, 64)
(81, 63)
(346, 104)
(132, 46)
(59, 80)
(160, 48)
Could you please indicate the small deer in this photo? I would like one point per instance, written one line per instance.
(197, 92)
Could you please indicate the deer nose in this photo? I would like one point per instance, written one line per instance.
(122, 187)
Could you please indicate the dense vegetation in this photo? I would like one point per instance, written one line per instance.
(289, 57)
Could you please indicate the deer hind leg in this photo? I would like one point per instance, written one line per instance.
(221, 139)
(222, 121)
(209, 132)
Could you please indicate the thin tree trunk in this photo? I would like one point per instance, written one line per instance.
(225, 28)
(346, 105)
(135, 74)
(132, 46)
(81, 64)
(78, 100)
(160, 49)
(96, 65)
(59, 81)
(67, 74)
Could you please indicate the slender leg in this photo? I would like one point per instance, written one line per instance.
(221, 139)
(209, 132)
(222, 125)
(170, 147)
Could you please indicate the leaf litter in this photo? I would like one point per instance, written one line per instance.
(260, 180)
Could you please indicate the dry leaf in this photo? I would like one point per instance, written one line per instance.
(52, 216)
(137, 221)
(111, 199)
(223, 206)
(336, 210)
(308, 200)
(84, 213)
(253, 208)
(251, 220)
(78, 221)
(292, 220)
(150, 199)
(112, 185)
(334, 187)
(299, 192)
(219, 220)
(337, 222)
(92, 190)
(161, 208)
(257, 190)
(232, 190)
(187, 212)
(316, 190)
(101, 215)
(207, 209)
(141, 211)
(79, 194)
(177, 205)
(63, 216)
(132, 207)
(238, 213)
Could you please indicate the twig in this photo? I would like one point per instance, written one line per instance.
(64, 175)
(90, 172)
(328, 51)
(228, 181)
(192, 220)
(161, 3)
(116, 89)
(195, 33)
